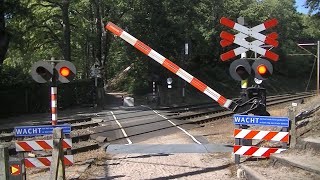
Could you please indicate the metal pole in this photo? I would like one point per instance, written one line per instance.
(153, 89)
(57, 168)
(244, 85)
(4, 159)
(184, 59)
(54, 98)
(318, 71)
(293, 132)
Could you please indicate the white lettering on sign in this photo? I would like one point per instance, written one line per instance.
(19, 131)
(246, 120)
(28, 131)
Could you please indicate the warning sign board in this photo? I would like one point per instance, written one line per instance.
(15, 169)
(240, 39)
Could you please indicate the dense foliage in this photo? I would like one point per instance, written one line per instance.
(34, 30)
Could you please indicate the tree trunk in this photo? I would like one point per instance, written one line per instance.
(4, 35)
(66, 30)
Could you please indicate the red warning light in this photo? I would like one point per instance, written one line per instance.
(64, 71)
(262, 69)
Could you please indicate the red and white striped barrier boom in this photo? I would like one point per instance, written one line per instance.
(46, 161)
(255, 151)
(39, 145)
(262, 135)
(169, 65)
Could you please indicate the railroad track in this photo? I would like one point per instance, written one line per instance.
(186, 108)
(200, 116)
(188, 114)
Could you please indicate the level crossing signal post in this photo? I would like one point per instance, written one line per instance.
(54, 71)
(253, 99)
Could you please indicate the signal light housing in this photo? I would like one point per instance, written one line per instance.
(262, 69)
(240, 69)
(41, 71)
(66, 71)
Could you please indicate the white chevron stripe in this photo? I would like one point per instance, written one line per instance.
(18, 147)
(127, 37)
(184, 75)
(261, 135)
(242, 150)
(260, 151)
(242, 133)
(68, 141)
(35, 162)
(279, 136)
(211, 93)
(70, 158)
(34, 145)
(227, 103)
(156, 56)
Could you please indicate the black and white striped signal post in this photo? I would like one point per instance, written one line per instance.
(53, 70)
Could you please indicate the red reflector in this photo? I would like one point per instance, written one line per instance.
(262, 69)
(64, 71)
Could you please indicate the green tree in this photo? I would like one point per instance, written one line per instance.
(313, 5)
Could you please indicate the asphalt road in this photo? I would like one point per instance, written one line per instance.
(129, 125)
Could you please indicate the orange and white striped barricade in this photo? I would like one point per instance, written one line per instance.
(40, 145)
(239, 134)
(40, 162)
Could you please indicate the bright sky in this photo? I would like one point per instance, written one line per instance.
(300, 6)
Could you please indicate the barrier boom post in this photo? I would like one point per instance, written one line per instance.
(227, 103)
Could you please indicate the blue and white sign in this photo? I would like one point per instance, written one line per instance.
(40, 130)
(261, 120)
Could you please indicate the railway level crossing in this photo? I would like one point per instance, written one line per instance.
(43, 72)
(255, 100)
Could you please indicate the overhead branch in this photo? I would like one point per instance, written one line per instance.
(43, 5)
(52, 34)
(53, 2)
